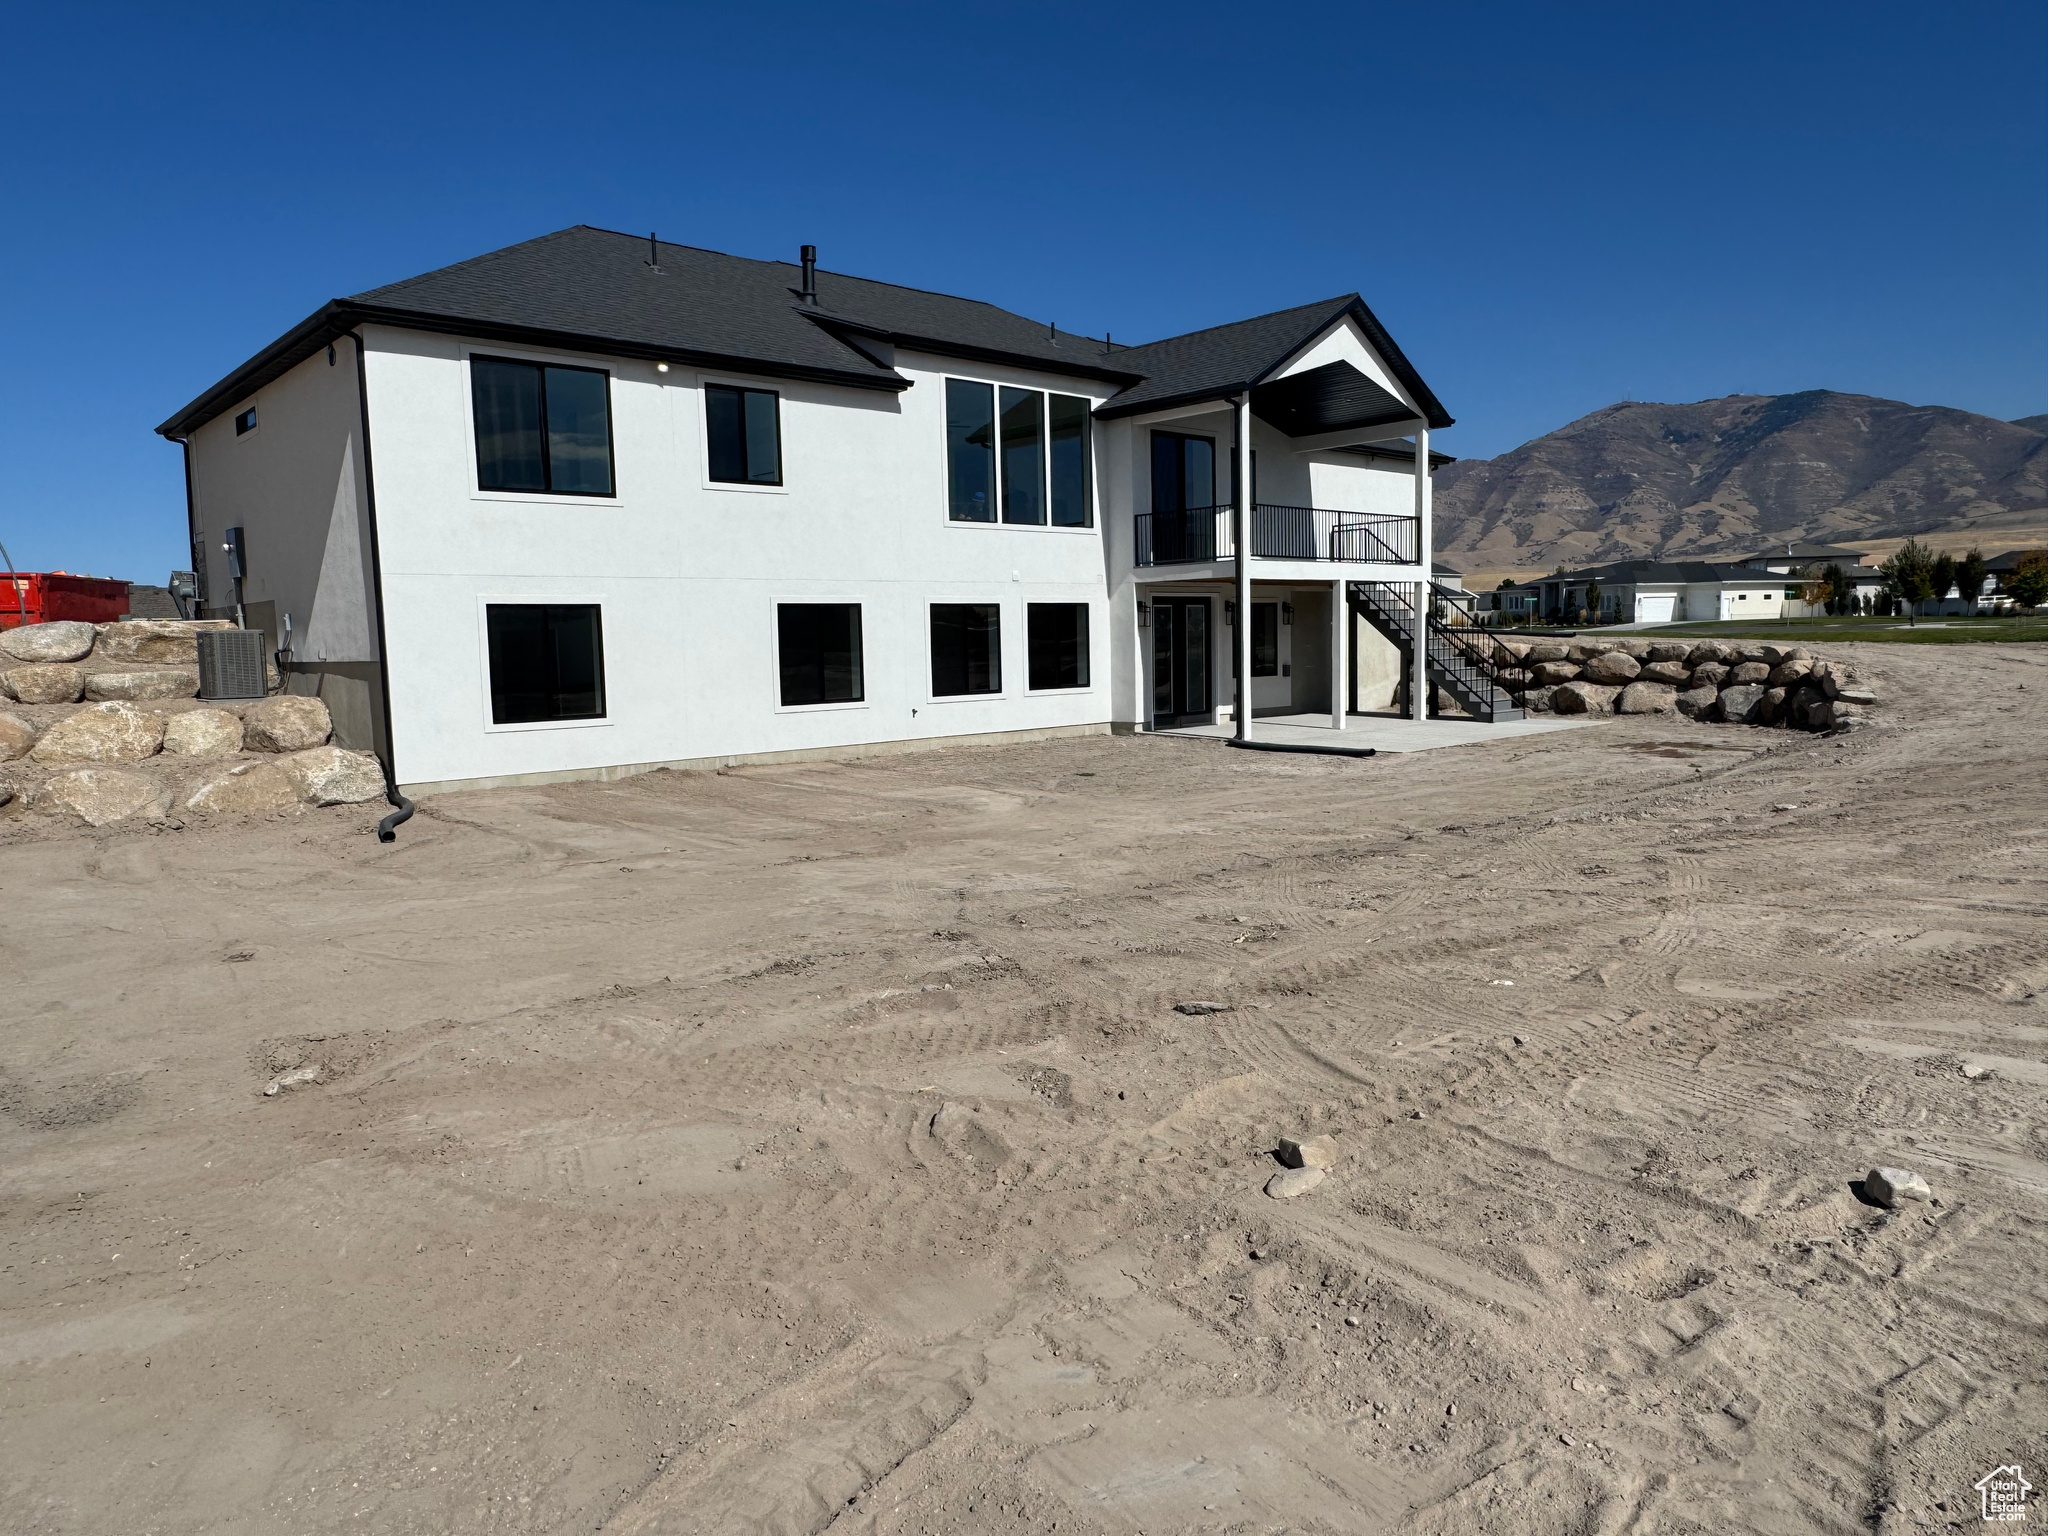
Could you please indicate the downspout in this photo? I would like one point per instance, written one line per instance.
(1241, 636)
(387, 828)
(191, 523)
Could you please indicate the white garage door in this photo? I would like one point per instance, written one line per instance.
(1654, 607)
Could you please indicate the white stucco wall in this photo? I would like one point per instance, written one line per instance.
(689, 574)
(293, 486)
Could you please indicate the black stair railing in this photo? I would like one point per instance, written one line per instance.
(1476, 669)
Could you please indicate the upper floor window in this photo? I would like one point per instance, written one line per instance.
(541, 427)
(1017, 456)
(743, 435)
(1183, 472)
(246, 422)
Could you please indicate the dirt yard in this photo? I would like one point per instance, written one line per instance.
(820, 1147)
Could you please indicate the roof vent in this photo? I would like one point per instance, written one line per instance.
(809, 292)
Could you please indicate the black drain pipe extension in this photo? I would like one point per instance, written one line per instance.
(387, 829)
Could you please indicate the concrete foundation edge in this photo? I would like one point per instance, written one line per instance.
(849, 753)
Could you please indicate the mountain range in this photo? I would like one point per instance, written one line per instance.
(1722, 478)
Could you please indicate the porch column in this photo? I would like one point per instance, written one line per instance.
(1418, 678)
(1340, 654)
(1241, 636)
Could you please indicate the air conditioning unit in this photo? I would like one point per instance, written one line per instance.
(231, 664)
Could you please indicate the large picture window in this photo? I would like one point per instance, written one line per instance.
(1030, 465)
(1183, 472)
(1057, 635)
(967, 649)
(818, 647)
(547, 661)
(541, 427)
(743, 435)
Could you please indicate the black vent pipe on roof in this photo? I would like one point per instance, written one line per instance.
(810, 284)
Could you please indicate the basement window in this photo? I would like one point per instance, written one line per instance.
(547, 662)
(819, 653)
(246, 422)
(1057, 635)
(967, 649)
(541, 427)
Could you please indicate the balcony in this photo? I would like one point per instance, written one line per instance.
(1202, 534)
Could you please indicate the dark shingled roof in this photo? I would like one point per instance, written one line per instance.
(1635, 572)
(588, 289)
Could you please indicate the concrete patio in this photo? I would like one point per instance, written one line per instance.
(1383, 733)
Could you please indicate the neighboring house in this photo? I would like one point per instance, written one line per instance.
(1998, 572)
(590, 505)
(1865, 581)
(1674, 591)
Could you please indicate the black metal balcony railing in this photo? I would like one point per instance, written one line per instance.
(1278, 533)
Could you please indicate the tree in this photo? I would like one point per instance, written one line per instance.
(2029, 584)
(1970, 572)
(1593, 600)
(1507, 584)
(1944, 576)
(1909, 576)
(1817, 589)
(1840, 598)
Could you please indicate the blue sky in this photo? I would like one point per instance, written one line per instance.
(1552, 207)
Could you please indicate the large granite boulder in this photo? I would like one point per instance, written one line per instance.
(160, 683)
(333, 776)
(1536, 701)
(1551, 673)
(1750, 672)
(1739, 703)
(16, 737)
(1710, 674)
(202, 733)
(58, 640)
(43, 682)
(101, 733)
(163, 640)
(1788, 672)
(1647, 699)
(1612, 667)
(1710, 650)
(1698, 703)
(1672, 672)
(257, 786)
(1548, 650)
(97, 796)
(1518, 649)
(1669, 650)
(1640, 649)
(1583, 699)
(1770, 709)
(285, 723)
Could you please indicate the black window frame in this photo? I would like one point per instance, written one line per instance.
(1083, 643)
(245, 422)
(547, 468)
(991, 637)
(742, 390)
(1180, 470)
(782, 661)
(491, 664)
(997, 465)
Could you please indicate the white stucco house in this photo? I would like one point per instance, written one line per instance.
(594, 504)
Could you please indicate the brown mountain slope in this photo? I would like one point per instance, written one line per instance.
(1720, 477)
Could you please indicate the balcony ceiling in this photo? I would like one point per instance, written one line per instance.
(1332, 398)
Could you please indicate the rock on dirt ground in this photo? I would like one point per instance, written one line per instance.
(620, 1206)
(285, 723)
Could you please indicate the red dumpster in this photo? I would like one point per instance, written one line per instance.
(37, 597)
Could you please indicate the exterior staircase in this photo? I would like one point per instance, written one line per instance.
(1469, 665)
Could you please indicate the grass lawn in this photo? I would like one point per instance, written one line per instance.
(1953, 630)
